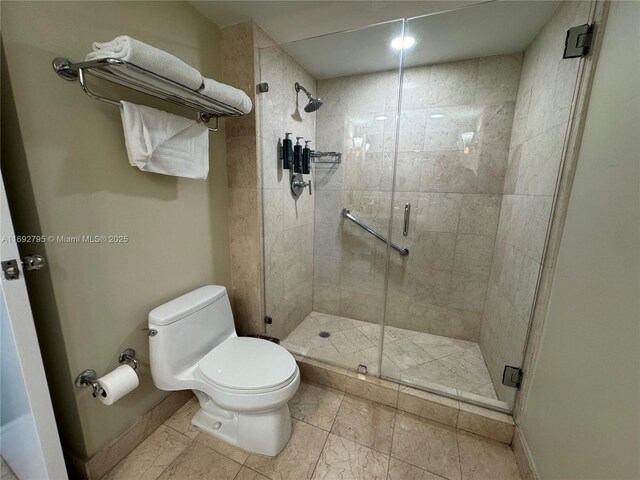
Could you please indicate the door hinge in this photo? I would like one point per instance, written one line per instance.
(29, 262)
(578, 41)
(268, 320)
(512, 376)
(11, 270)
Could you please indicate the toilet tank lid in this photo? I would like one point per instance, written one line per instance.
(186, 304)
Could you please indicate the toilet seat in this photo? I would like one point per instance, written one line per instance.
(248, 365)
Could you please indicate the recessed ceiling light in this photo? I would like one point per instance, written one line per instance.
(403, 42)
(381, 117)
(437, 115)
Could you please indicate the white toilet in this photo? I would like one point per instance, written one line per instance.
(243, 384)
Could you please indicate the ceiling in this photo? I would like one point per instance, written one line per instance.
(442, 34)
(288, 21)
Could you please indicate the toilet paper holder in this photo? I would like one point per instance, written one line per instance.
(89, 378)
(129, 356)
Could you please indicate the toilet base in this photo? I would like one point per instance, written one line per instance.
(265, 433)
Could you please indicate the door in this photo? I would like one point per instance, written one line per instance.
(28, 434)
(483, 120)
(324, 254)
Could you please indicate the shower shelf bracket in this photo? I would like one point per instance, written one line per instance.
(141, 80)
(332, 158)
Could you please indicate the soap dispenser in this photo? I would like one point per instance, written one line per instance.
(306, 158)
(297, 156)
(287, 152)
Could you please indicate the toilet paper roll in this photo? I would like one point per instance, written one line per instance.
(117, 383)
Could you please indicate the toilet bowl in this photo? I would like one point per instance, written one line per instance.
(243, 384)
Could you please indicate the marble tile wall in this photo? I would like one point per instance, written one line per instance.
(268, 227)
(288, 221)
(244, 196)
(455, 196)
(542, 111)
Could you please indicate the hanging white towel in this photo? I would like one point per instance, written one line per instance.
(160, 142)
(148, 57)
(232, 96)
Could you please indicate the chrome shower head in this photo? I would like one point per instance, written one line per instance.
(314, 103)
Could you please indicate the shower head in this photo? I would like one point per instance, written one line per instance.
(314, 103)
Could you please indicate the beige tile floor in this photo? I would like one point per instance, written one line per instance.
(335, 436)
(414, 357)
(6, 473)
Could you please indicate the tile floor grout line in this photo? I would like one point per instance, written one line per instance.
(419, 466)
(328, 432)
(356, 441)
(320, 456)
(106, 475)
(248, 468)
(459, 456)
(393, 436)
(193, 439)
(178, 431)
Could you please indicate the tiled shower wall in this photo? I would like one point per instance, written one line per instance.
(288, 221)
(267, 224)
(244, 201)
(542, 112)
(455, 196)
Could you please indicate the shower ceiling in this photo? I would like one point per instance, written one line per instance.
(288, 21)
(456, 35)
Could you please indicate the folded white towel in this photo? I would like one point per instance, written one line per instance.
(226, 94)
(164, 143)
(148, 57)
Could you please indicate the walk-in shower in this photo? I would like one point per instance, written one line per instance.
(420, 249)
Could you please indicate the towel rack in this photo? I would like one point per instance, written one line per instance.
(137, 78)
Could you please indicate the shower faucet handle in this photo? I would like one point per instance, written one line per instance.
(298, 185)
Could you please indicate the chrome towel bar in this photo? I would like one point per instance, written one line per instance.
(346, 213)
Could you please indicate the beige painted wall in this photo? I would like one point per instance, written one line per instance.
(581, 417)
(64, 161)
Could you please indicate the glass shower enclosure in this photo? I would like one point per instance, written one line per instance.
(414, 254)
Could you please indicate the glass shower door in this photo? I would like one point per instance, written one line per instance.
(481, 134)
(324, 265)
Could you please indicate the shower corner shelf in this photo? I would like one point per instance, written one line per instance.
(139, 79)
(329, 158)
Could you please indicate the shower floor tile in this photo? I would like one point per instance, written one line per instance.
(414, 357)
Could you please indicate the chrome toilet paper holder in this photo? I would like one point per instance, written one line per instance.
(89, 378)
(129, 356)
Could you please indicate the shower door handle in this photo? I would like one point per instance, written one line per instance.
(407, 215)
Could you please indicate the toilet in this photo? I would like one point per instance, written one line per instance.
(243, 384)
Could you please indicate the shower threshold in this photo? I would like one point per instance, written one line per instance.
(411, 357)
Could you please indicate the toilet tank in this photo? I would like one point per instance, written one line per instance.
(188, 327)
